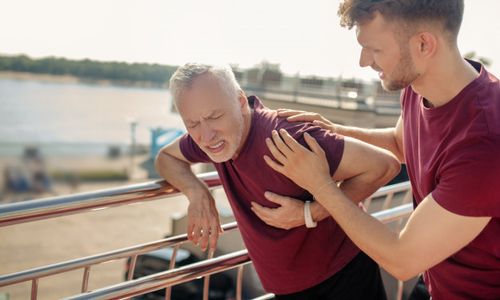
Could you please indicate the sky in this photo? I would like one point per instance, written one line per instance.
(302, 36)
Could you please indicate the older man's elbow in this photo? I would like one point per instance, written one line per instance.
(388, 168)
(159, 161)
(393, 168)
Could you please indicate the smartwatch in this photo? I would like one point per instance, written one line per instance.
(308, 217)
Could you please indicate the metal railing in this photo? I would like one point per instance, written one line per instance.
(58, 206)
(32, 210)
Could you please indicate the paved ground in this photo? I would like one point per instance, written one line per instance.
(50, 241)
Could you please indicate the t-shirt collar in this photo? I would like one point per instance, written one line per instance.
(426, 111)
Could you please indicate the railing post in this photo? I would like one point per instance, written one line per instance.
(131, 267)
(206, 280)
(34, 289)
(85, 281)
(367, 203)
(388, 201)
(406, 199)
(168, 290)
(239, 283)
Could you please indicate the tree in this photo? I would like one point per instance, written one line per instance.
(472, 55)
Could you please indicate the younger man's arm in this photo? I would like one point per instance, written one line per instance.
(362, 170)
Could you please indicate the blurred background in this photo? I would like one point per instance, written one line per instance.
(84, 103)
(83, 84)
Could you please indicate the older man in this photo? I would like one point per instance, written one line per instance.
(311, 258)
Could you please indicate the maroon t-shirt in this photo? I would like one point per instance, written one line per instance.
(453, 152)
(286, 261)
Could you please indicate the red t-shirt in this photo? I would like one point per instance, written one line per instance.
(286, 261)
(453, 152)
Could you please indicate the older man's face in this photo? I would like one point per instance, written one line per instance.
(212, 118)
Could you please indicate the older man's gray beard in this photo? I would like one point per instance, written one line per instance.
(234, 147)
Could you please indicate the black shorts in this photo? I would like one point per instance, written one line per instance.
(360, 279)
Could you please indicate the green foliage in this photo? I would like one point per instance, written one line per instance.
(484, 60)
(89, 69)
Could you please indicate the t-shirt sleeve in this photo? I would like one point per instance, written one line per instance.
(332, 144)
(469, 183)
(191, 151)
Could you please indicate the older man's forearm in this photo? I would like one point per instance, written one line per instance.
(178, 173)
(360, 187)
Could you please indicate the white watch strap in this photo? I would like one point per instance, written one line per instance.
(307, 215)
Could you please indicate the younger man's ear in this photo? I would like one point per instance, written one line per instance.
(427, 44)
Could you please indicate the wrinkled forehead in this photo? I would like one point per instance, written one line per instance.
(204, 96)
(202, 87)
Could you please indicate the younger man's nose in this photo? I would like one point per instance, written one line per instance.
(365, 58)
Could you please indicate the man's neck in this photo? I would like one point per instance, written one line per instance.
(247, 124)
(445, 79)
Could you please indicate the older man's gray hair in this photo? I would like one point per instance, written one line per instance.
(185, 75)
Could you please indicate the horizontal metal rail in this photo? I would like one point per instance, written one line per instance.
(173, 277)
(168, 278)
(265, 297)
(394, 214)
(82, 262)
(27, 211)
(393, 188)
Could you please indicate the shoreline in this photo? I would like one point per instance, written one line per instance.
(70, 79)
(69, 149)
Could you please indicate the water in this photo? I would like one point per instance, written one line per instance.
(78, 118)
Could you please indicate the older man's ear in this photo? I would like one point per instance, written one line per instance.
(242, 98)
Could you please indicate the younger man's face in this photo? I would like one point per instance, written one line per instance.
(386, 52)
